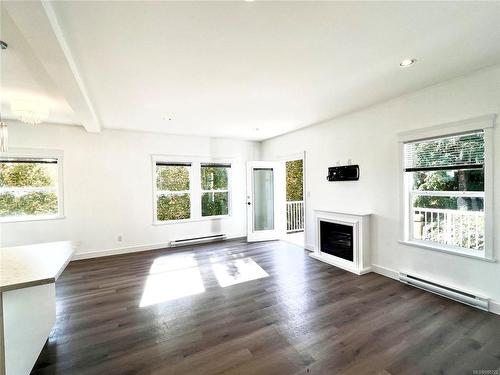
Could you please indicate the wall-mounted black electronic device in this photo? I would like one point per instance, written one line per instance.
(343, 173)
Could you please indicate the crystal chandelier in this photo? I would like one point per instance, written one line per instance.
(30, 112)
(4, 136)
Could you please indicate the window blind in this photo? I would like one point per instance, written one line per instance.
(172, 164)
(462, 151)
(28, 160)
(219, 165)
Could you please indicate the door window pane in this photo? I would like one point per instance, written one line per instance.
(263, 190)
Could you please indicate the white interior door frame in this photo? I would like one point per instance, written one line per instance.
(299, 156)
(278, 228)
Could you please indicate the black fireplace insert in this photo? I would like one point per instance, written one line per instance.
(337, 239)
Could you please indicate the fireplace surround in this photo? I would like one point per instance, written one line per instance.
(342, 239)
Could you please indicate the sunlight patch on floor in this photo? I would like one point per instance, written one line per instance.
(237, 271)
(172, 277)
(178, 275)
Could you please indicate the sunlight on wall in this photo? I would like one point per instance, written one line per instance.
(237, 271)
(172, 277)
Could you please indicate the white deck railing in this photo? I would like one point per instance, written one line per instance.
(294, 216)
(450, 227)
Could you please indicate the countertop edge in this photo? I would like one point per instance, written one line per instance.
(27, 284)
(41, 281)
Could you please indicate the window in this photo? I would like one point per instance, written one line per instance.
(214, 189)
(30, 188)
(445, 191)
(173, 194)
(191, 190)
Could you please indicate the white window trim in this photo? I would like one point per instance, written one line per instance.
(485, 123)
(39, 154)
(195, 190)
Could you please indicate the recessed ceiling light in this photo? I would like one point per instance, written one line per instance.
(407, 62)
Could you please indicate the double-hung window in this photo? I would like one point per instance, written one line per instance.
(214, 189)
(30, 188)
(173, 193)
(191, 190)
(446, 203)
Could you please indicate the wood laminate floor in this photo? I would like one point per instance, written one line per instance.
(196, 311)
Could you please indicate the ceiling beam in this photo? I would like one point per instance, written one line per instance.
(38, 23)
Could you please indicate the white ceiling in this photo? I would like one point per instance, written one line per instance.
(24, 78)
(225, 68)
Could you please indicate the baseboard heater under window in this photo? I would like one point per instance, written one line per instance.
(195, 240)
(454, 294)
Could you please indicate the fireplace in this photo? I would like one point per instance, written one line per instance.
(337, 240)
(342, 240)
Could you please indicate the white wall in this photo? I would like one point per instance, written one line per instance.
(108, 187)
(369, 138)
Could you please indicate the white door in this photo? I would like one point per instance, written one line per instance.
(265, 200)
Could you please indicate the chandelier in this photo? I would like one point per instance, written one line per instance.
(30, 112)
(4, 136)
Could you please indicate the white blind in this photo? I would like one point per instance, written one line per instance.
(28, 160)
(172, 164)
(217, 165)
(463, 151)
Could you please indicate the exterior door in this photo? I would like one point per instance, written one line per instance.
(265, 200)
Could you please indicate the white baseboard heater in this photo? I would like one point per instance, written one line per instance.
(196, 240)
(454, 294)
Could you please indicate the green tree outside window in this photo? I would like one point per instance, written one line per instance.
(28, 189)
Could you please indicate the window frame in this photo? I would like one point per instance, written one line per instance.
(483, 123)
(20, 153)
(194, 186)
(228, 190)
(174, 192)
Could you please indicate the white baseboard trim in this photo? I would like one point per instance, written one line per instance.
(309, 247)
(384, 271)
(494, 306)
(119, 250)
(130, 249)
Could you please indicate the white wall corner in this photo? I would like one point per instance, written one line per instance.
(495, 307)
(384, 271)
(309, 247)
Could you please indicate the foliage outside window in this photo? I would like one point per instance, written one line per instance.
(445, 181)
(173, 196)
(214, 189)
(191, 190)
(294, 180)
(28, 188)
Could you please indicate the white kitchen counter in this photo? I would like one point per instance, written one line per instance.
(28, 301)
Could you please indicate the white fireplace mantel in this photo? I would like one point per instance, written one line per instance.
(360, 222)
